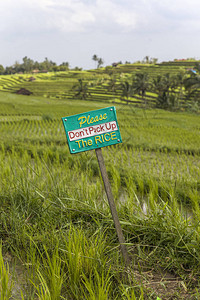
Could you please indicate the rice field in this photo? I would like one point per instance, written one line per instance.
(58, 240)
(106, 85)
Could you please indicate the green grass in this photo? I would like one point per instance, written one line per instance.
(55, 220)
(59, 85)
(5, 279)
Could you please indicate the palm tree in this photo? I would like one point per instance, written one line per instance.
(193, 81)
(100, 62)
(146, 59)
(192, 84)
(197, 67)
(95, 58)
(160, 88)
(141, 85)
(113, 85)
(127, 91)
(81, 90)
(165, 86)
(180, 78)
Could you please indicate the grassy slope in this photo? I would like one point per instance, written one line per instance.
(59, 85)
(53, 208)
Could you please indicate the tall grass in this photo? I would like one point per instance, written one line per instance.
(6, 283)
(54, 214)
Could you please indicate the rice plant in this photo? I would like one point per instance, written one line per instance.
(54, 215)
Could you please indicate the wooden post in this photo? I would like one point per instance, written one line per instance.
(112, 205)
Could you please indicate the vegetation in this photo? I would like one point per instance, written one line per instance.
(99, 60)
(29, 65)
(172, 87)
(81, 90)
(57, 235)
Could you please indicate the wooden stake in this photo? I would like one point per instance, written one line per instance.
(112, 205)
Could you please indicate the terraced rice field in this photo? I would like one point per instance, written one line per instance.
(57, 235)
(60, 85)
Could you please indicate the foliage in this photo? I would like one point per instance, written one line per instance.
(99, 60)
(126, 91)
(166, 87)
(141, 85)
(29, 65)
(148, 85)
(81, 90)
(54, 215)
(6, 283)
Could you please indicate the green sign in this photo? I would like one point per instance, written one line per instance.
(92, 130)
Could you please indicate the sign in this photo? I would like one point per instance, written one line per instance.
(92, 130)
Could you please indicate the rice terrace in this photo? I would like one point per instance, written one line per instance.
(58, 239)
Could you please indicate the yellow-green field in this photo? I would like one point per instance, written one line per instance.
(57, 233)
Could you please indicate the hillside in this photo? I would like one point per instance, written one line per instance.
(105, 84)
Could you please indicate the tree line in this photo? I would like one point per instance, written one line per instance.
(168, 91)
(28, 65)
